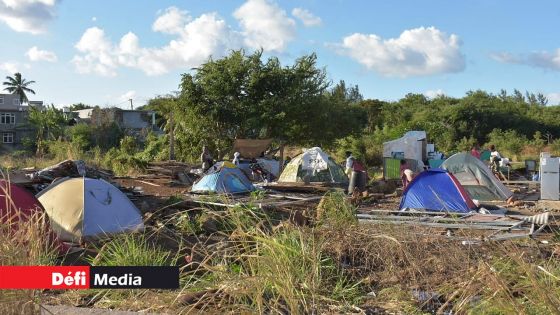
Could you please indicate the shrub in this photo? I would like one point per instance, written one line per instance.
(81, 135)
(335, 210)
(63, 150)
(132, 250)
(507, 142)
(282, 272)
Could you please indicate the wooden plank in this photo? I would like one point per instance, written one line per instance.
(148, 183)
(521, 182)
(441, 225)
(439, 220)
(292, 202)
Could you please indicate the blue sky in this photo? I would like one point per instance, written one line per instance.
(104, 52)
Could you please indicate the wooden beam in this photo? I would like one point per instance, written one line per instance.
(440, 225)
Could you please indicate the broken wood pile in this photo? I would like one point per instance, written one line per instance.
(303, 187)
(67, 168)
(172, 173)
(268, 201)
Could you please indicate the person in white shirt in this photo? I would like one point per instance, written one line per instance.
(236, 158)
(349, 163)
(495, 159)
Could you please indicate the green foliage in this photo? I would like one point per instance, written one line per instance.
(336, 210)
(155, 148)
(368, 147)
(509, 142)
(538, 141)
(81, 135)
(132, 250)
(49, 124)
(555, 147)
(64, 150)
(285, 271)
(18, 85)
(79, 106)
(189, 225)
(124, 160)
(452, 123)
(465, 144)
(244, 96)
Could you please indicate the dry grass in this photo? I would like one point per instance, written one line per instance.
(240, 260)
(24, 243)
(490, 278)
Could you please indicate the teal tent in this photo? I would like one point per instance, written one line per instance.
(223, 178)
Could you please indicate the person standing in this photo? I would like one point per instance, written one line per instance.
(206, 159)
(349, 163)
(475, 151)
(495, 159)
(236, 158)
(406, 174)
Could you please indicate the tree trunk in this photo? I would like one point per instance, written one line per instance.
(171, 137)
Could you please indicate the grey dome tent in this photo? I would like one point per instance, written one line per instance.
(476, 177)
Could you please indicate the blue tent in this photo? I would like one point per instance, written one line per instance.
(436, 190)
(223, 178)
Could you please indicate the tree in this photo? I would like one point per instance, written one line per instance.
(18, 85)
(49, 124)
(166, 106)
(244, 96)
(79, 106)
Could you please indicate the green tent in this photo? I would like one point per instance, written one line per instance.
(294, 172)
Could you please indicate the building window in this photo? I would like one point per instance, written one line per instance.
(7, 137)
(7, 118)
(16, 101)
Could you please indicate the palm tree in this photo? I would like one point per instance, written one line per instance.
(18, 85)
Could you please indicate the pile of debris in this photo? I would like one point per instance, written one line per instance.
(169, 172)
(69, 168)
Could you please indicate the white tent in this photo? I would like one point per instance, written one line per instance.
(86, 208)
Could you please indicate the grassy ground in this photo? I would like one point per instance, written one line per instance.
(244, 260)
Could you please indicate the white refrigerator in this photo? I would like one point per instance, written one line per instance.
(550, 178)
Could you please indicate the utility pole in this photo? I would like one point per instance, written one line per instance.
(131, 107)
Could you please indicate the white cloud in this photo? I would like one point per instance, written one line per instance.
(94, 19)
(31, 16)
(553, 98)
(127, 96)
(307, 18)
(504, 57)
(265, 25)
(172, 21)
(434, 93)
(539, 59)
(98, 54)
(416, 52)
(9, 67)
(207, 35)
(36, 54)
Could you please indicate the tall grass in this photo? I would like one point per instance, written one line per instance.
(128, 250)
(336, 210)
(23, 242)
(281, 270)
(490, 278)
